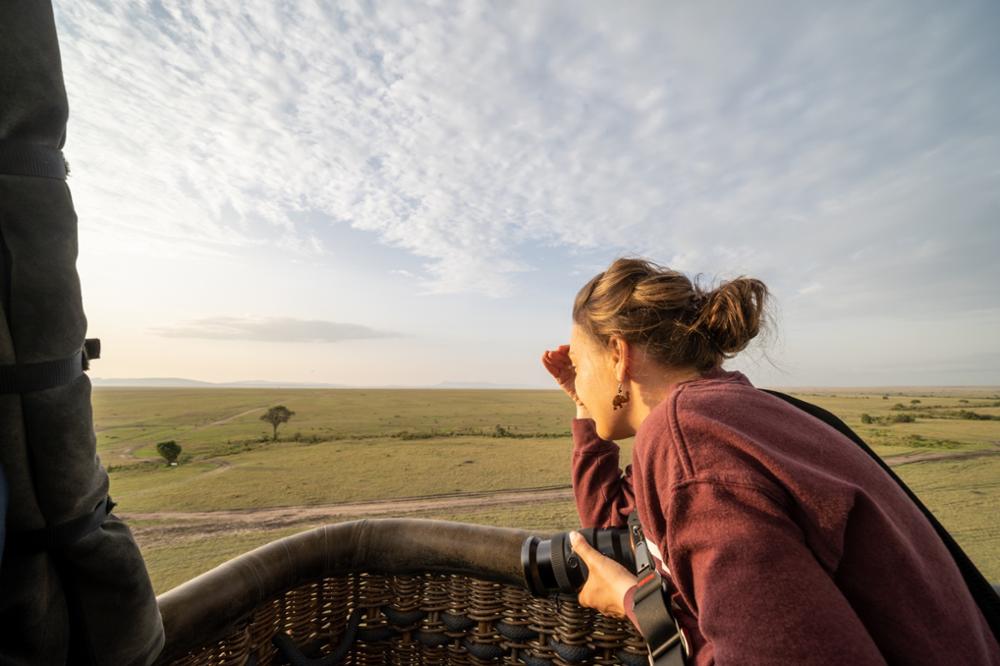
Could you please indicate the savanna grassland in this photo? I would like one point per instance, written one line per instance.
(500, 457)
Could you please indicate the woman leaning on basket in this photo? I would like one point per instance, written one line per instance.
(781, 541)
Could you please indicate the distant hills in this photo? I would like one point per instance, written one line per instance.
(180, 382)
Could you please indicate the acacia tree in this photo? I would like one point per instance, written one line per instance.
(169, 450)
(276, 416)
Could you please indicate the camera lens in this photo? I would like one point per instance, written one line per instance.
(551, 565)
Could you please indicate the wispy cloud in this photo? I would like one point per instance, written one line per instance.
(276, 329)
(744, 139)
(850, 145)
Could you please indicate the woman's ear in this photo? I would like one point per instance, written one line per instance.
(620, 349)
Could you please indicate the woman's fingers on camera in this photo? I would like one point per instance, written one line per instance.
(582, 548)
(607, 580)
(590, 555)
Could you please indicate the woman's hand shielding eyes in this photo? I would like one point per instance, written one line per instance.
(557, 362)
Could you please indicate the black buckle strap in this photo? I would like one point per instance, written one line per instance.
(656, 624)
(20, 158)
(666, 643)
(27, 377)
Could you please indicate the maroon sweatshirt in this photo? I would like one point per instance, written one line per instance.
(780, 540)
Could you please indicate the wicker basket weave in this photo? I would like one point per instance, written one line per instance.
(428, 592)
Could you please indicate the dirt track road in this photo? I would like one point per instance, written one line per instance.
(204, 523)
(284, 515)
(192, 524)
(924, 456)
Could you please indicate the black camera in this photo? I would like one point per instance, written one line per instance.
(550, 565)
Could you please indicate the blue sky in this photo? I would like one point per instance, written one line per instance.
(410, 193)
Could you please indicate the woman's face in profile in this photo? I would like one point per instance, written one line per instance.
(595, 381)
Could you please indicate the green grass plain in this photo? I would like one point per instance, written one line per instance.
(347, 445)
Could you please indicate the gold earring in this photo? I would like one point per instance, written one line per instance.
(621, 398)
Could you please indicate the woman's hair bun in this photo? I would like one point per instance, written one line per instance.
(731, 315)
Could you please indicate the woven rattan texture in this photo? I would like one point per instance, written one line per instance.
(428, 619)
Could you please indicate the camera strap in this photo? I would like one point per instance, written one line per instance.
(664, 639)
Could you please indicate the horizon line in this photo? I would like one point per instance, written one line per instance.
(182, 382)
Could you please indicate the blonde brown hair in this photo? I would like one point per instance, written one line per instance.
(678, 322)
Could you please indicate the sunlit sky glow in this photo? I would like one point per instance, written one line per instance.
(404, 193)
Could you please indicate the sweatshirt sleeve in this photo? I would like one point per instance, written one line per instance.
(760, 596)
(604, 495)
